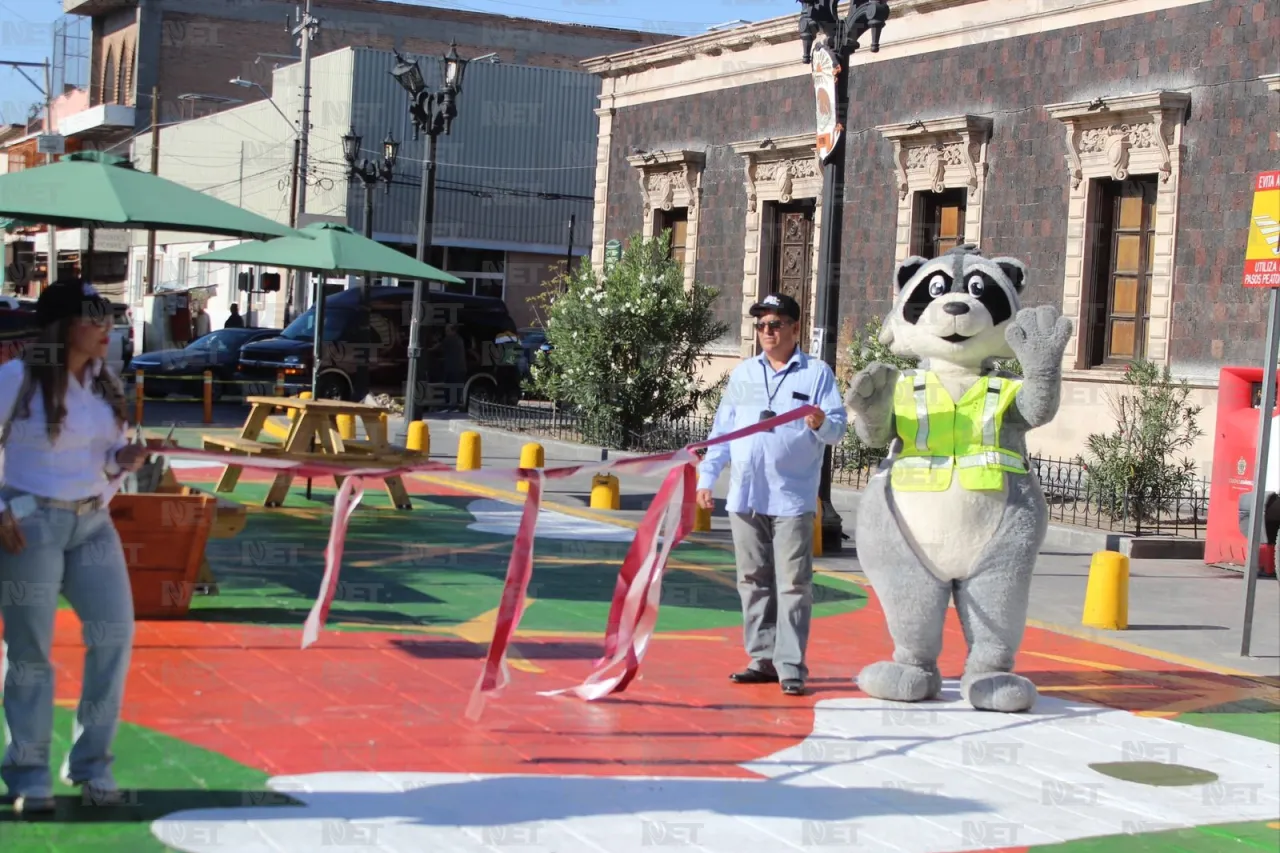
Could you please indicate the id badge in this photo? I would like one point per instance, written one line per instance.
(766, 414)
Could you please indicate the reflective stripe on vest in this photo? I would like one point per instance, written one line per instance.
(940, 436)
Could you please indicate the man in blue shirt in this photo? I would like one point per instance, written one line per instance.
(773, 489)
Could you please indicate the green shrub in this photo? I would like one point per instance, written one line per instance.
(627, 346)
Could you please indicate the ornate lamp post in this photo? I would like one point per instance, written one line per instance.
(829, 58)
(433, 113)
(369, 173)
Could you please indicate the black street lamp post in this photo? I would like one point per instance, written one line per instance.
(840, 37)
(369, 173)
(433, 113)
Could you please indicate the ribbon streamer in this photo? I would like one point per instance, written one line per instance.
(633, 613)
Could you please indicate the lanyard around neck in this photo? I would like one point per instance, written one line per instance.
(764, 368)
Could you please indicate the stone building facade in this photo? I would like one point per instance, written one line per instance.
(1111, 145)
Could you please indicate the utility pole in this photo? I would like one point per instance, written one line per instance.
(304, 31)
(150, 275)
(52, 266)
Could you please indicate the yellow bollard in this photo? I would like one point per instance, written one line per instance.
(1106, 599)
(469, 451)
(293, 413)
(817, 530)
(418, 439)
(347, 427)
(531, 456)
(604, 492)
(701, 520)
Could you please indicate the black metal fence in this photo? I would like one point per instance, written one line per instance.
(1064, 481)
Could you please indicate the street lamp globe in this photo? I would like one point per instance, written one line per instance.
(390, 150)
(454, 68)
(351, 145)
(409, 76)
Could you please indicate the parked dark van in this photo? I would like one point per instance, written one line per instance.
(480, 319)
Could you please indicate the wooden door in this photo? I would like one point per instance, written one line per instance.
(791, 264)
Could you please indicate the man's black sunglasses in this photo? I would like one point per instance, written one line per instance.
(771, 325)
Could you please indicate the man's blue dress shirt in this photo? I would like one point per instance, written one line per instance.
(774, 473)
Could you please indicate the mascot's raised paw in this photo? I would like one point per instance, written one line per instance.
(1038, 337)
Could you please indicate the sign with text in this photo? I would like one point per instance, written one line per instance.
(1262, 255)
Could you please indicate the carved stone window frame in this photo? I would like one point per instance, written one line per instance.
(669, 180)
(779, 169)
(1115, 138)
(937, 155)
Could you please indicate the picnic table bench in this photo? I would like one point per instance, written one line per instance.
(314, 426)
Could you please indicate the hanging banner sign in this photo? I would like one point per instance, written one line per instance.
(1262, 254)
(825, 69)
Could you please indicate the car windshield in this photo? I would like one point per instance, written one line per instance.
(304, 328)
(219, 341)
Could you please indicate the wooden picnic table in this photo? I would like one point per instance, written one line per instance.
(314, 426)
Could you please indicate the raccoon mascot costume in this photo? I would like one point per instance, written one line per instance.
(954, 509)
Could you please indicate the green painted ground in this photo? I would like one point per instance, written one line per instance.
(426, 567)
(163, 775)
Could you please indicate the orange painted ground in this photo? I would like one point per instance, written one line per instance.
(386, 701)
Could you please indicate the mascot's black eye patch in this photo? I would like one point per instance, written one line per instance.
(988, 291)
(937, 284)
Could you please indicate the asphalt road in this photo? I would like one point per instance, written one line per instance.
(161, 414)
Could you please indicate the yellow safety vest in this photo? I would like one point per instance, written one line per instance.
(939, 435)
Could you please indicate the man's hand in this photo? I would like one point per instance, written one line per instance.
(131, 457)
(704, 499)
(11, 538)
(815, 420)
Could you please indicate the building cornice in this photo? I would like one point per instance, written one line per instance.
(1272, 81)
(771, 31)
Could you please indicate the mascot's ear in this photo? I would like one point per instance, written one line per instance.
(908, 268)
(1015, 269)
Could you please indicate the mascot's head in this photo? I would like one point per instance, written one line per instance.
(955, 308)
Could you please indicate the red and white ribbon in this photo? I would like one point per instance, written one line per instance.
(633, 614)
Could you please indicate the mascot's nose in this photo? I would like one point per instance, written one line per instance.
(956, 308)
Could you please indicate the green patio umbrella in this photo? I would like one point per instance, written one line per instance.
(325, 247)
(91, 189)
(330, 248)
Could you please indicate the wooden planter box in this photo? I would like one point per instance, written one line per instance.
(164, 537)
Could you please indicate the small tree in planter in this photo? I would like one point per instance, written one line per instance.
(1131, 470)
(626, 346)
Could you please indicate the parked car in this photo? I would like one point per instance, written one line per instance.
(480, 319)
(181, 371)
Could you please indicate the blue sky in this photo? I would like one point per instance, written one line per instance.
(26, 33)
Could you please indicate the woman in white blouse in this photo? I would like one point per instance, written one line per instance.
(65, 444)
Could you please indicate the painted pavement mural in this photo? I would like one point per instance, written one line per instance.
(234, 739)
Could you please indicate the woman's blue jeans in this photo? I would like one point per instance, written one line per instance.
(79, 556)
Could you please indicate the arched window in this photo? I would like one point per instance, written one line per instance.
(110, 78)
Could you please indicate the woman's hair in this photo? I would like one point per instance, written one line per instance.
(48, 373)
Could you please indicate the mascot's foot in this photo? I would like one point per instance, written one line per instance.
(998, 691)
(899, 683)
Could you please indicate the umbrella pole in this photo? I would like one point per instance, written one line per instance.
(86, 271)
(317, 351)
